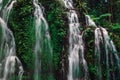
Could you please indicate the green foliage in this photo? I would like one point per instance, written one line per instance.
(57, 30)
(115, 35)
(116, 26)
(101, 16)
(21, 23)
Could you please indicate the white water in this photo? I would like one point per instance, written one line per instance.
(77, 64)
(109, 58)
(0, 4)
(106, 57)
(89, 21)
(6, 10)
(98, 38)
(9, 63)
(42, 45)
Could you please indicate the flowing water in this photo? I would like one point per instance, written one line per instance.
(106, 58)
(1, 4)
(106, 61)
(10, 65)
(77, 63)
(43, 47)
(89, 21)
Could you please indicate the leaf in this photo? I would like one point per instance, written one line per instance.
(101, 16)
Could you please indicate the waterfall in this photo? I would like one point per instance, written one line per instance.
(43, 49)
(106, 57)
(0, 4)
(89, 21)
(77, 63)
(10, 65)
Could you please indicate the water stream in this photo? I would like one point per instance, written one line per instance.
(43, 47)
(77, 63)
(106, 58)
(10, 65)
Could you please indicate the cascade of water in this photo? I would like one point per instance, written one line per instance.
(77, 63)
(8, 57)
(1, 4)
(89, 21)
(6, 10)
(98, 38)
(106, 57)
(42, 45)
